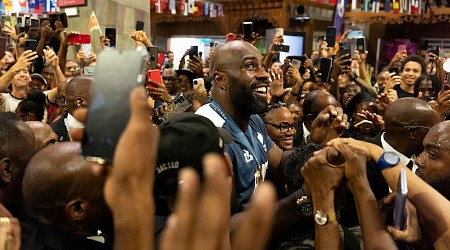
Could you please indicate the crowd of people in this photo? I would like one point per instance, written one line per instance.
(267, 156)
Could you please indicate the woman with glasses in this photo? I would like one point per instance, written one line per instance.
(279, 123)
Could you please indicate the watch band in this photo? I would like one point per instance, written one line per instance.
(321, 218)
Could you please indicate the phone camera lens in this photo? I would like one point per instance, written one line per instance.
(152, 58)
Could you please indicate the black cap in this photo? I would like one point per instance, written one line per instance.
(185, 139)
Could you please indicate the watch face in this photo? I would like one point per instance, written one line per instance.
(320, 218)
(307, 209)
(391, 158)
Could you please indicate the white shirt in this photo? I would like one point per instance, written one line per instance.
(71, 123)
(10, 103)
(403, 159)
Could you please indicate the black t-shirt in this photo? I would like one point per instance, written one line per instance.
(401, 93)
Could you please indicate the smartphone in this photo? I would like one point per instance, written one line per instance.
(4, 19)
(247, 30)
(401, 47)
(361, 45)
(27, 21)
(199, 84)
(346, 48)
(139, 25)
(20, 22)
(400, 201)
(89, 70)
(53, 18)
(435, 50)
(325, 69)
(331, 36)
(355, 34)
(110, 33)
(35, 22)
(423, 45)
(296, 64)
(446, 77)
(281, 48)
(87, 49)
(63, 20)
(2, 46)
(30, 44)
(6, 240)
(193, 51)
(79, 39)
(109, 108)
(154, 75)
(153, 57)
(179, 104)
(394, 70)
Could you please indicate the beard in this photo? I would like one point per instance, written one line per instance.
(242, 96)
(442, 185)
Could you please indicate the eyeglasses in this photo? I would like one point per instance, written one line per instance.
(169, 78)
(408, 127)
(284, 127)
(47, 74)
(60, 100)
(72, 68)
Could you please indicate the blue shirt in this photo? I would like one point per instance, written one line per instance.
(248, 152)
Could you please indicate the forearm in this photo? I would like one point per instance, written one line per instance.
(268, 60)
(361, 82)
(363, 74)
(374, 233)
(62, 55)
(327, 236)
(5, 80)
(40, 46)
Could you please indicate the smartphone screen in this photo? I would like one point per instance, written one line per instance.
(110, 33)
(87, 49)
(193, 51)
(30, 44)
(361, 45)
(109, 108)
(63, 20)
(331, 36)
(35, 23)
(247, 30)
(139, 25)
(53, 18)
(325, 69)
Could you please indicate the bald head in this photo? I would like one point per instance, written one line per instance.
(43, 134)
(56, 176)
(407, 122)
(410, 112)
(78, 92)
(316, 101)
(229, 56)
(17, 146)
(439, 136)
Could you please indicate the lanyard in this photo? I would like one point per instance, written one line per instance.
(249, 142)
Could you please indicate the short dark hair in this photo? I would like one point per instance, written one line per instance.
(415, 58)
(34, 103)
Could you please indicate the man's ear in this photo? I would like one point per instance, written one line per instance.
(220, 80)
(5, 171)
(80, 102)
(76, 210)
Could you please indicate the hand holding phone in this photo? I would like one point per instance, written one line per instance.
(400, 201)
(109, 108)
(76, 39)
(153, 76)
